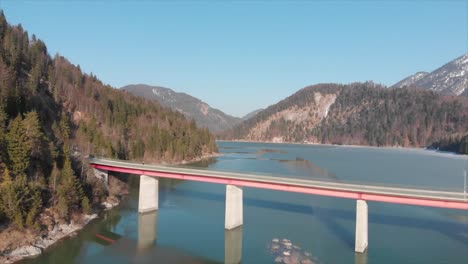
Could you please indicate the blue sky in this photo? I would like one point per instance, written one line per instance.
(239, 56)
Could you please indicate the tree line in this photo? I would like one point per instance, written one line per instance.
(365, 114)
(52, 115)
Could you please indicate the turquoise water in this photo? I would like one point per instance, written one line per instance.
(189, 226)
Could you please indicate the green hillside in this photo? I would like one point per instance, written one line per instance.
(52, 115)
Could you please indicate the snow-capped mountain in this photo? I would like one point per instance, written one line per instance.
(450, 79)
(409, 81)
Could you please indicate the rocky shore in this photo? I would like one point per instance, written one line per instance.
(33, 245)
(29, 244)
(59, 232)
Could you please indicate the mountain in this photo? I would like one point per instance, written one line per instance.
(411, 80)
(252, 114)
(358, 114)
(189, 106)
(450, 79)
(52, 115)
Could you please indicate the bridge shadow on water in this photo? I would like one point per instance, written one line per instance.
(328, 216)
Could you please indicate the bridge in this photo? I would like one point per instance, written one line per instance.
(149, 174)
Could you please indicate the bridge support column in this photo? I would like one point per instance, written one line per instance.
(148, 196)
(361, 226)
(234, 207)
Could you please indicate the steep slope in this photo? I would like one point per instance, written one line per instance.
(252, 114)
(189, 106)
(450, 79)
(359, 113)
(52, 115)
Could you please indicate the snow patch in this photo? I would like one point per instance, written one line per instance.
(156, 92)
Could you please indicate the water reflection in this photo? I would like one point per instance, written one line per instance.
(145, 249)
(361, 258)
(147, 230)
(322, 226)
(233, 246)
(330, 217)
(112, 219)
(127, 251)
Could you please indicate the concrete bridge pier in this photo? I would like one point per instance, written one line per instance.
(234, 207)
(148, 199)
(361, 226)
(233, 246)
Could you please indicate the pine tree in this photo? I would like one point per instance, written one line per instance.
(64, 126)
(3, 156)
(85, 205)
(70, 191)
(34, 208)
(62, 204)
(19, 147)
(3, 24)
(19, 201)
(36, 138)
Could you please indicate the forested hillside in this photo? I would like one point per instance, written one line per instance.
(454, 143)
(361, 114)
(191, 107)
(52, 115)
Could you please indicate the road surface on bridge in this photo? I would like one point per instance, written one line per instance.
(389, 194)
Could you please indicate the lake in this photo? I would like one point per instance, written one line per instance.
(189, 226)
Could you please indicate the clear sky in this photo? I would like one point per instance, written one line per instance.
(239, 56)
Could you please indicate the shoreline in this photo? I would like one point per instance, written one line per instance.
(64, 231)
(434, 151)
(60, 232)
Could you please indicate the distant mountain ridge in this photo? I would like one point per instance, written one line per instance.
(409, 81)
(450, 79)
(252, 114)
(193, 108)
(358, 114)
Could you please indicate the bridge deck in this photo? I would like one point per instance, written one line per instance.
(435, 198)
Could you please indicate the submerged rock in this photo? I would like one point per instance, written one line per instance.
(286, 252)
